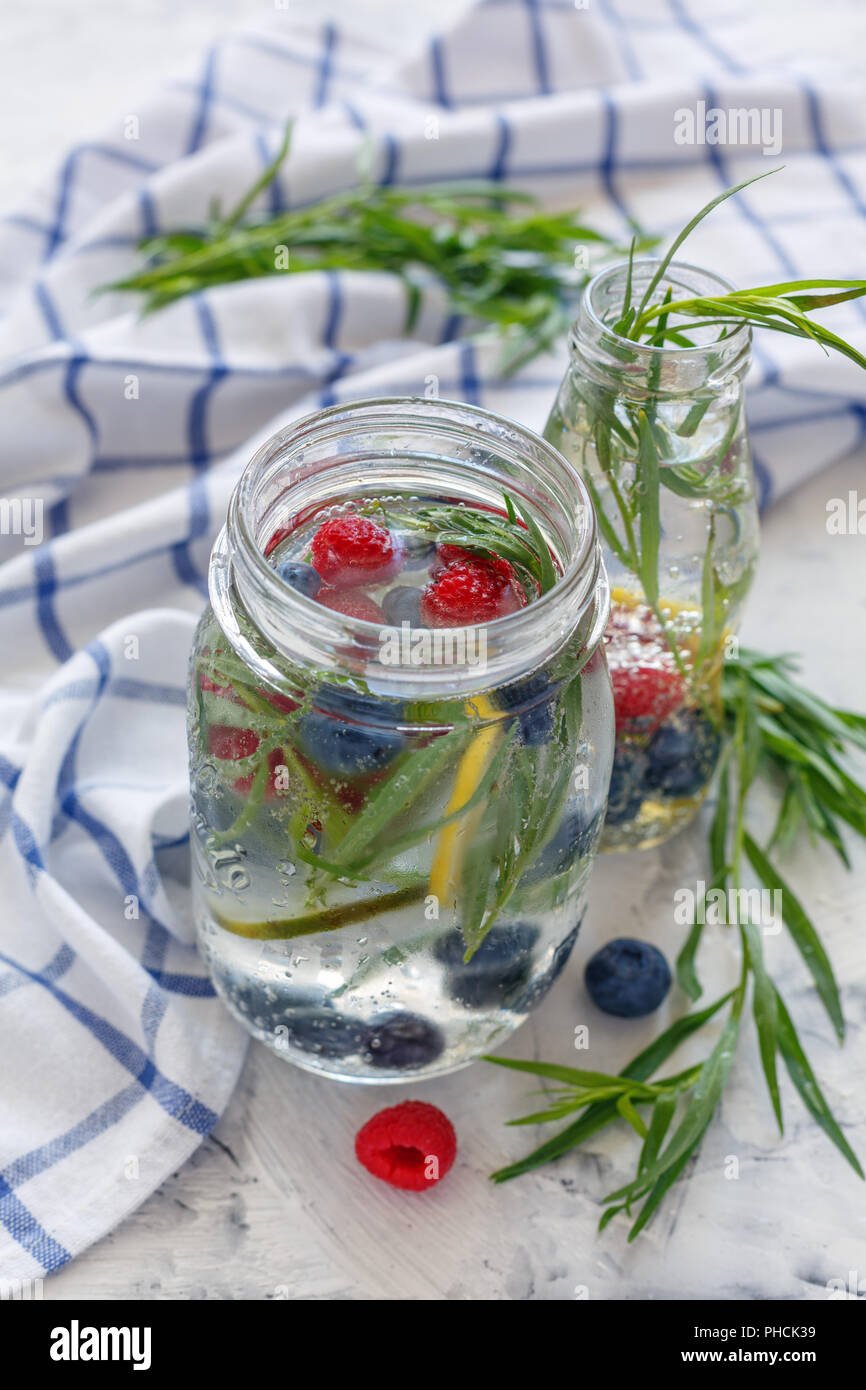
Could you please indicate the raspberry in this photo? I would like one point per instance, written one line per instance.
(651, 692)
(411, 1145)
(351, 795)
(225, 741)
(353, 605)
(352, 549)
(228, 692)
(447, 554)
(210, 687)
(471, 590)
(276, 760)
(284, 703)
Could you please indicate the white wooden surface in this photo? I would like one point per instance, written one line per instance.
(274, 1204)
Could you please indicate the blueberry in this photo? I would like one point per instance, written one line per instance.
(326, 1033)
(626, 784)
(532, 699)
(541, 987)
(250, 998)
(402, 604)
(418, 551)
(628, 978)
(573, 839)
(358, 707)
(300, 576)
(403, 1041)
(346, 750)
(682, 754)
(499, 966)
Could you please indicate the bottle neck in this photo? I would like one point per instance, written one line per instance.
(714, 366)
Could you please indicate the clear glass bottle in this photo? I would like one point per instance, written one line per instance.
(392, 840)
(658, 433)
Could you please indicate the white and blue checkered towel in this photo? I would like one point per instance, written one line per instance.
(116, 1058)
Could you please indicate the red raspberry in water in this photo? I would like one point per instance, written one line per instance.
(411, 1145)
(353, 549)
(471, 590)
(645, 692)
(284, 703)
(448, 554)
(225, 741)
(228, 692)
(276, 762)
(351, 605)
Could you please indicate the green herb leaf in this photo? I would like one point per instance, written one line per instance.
(663, 1184)
(396, 795)
(687, 231)
(701, 1108)
(539, 544)
(765, 1014)
(499, 257)
(647, 483)
(810, 1092)
(598, 1116)
(805, 937)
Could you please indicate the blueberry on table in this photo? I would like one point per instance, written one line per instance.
(572, 841)
(500, 966)
(300, 576)
(681, 754)
(532, 699)
(628, 978)
(402, 1041)
(402, 604)
(346, 750)
(626, 784)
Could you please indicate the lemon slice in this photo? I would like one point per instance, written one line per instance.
(453, 839)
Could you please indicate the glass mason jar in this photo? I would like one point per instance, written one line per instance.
(658, 434)
(393, 826)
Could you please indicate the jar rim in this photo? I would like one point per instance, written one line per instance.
(739, 339)
(315, 631)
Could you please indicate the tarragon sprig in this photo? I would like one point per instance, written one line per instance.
(502, 260)
(517, 539)
(630, 436)
(786, 737)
